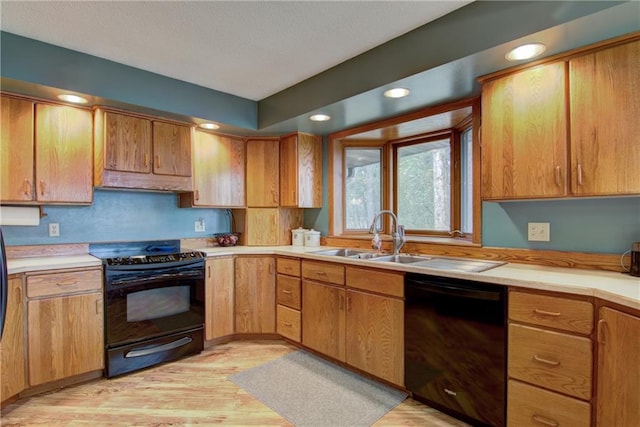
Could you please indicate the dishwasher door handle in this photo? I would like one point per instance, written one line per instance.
(456, 291)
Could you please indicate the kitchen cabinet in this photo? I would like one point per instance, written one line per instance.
(17, 150)
(268, 226)
(605, 106)
(255, 294)
(65, 324)
(618, 382)
(140, 152)
(219, 297)
(361, 324)
(550, 359)
(46, 153)
(262, 173)
(301, 171)
(12, 363)
(564, 128)
(218, 172)
(288, 298)
(524, 136)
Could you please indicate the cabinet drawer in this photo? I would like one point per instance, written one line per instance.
(554, 312)
(535, 407)
(323, 271)
(550, 359)
(45, 285)
(288, 266)
(383, 282)
(288, 289)
(288, 323)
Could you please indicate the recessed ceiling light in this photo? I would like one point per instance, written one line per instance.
(319, 117)
(209, 126)
(397, 92)
(73, 98)
(526, 51)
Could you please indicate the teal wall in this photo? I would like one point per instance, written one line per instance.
(120, 216)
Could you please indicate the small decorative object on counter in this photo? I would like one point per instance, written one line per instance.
(376, 243)
(227, 239)
(312, 238)
(297, 236)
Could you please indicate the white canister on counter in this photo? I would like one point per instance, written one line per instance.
(297, 236)
(312, 238)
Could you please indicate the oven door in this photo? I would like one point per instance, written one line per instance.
(147, 303)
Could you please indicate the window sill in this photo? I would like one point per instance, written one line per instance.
(450, 241)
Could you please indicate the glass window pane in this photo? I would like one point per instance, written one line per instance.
(363, 184)
(466, 178)
(424, 186)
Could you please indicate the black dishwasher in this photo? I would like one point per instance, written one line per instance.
(455, 347)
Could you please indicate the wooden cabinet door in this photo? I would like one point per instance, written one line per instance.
(219, 170)
(289, 171)
(375, 339)
(262, 226)
(171, 149)
(618, 361)
(65, 338)
(524, 135)
(255, 294)
(219, 297)
(16, 150)
(323, 318)
(12, 380)
(64, 168)
(605, 106)
(262, 173)
(127, 141)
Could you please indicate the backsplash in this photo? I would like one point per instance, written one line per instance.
(120, 216)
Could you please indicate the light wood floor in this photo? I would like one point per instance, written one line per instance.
(190, 391)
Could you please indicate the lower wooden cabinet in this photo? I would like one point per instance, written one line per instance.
(529, 406)
(219, 297)
(65, 325)
(323, 318)
(618, 401)
(289, 323)
(12, 363)
(255, 294)
(289, 298)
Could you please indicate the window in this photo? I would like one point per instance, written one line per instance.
(422, 168)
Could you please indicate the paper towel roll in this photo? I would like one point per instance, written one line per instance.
(20, 215)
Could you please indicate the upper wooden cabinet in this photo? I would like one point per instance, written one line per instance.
(605, 106)
(301, 171)
(134, 151)
(218, 171)
(526, 116)
(17, 150)
(46, 153)
(262, 173)
(524, 136)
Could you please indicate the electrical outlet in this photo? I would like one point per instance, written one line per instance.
(538, 232)
(54, 229)
(199, 226)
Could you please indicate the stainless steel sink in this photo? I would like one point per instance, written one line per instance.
(346, 253)
(401, 259)
(458, 264)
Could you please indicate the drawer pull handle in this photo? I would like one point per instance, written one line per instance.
(321, 273)
(544, 420)
(547, 313)
(284, 291)
(67, 283)
(558, 176)
(287, 324)
(545, 361)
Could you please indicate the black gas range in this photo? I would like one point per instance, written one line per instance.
(154, 303)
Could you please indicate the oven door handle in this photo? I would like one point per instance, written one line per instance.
(160, 348)
(144, 279)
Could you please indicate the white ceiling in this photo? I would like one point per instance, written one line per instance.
(251, 49)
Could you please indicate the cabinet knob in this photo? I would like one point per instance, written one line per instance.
(41, 187)
(157, 164)
(26, 187)
(579, 174)
(558, 176)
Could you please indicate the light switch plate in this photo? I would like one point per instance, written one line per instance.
(538, 232)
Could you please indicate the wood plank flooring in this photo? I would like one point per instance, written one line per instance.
(190, 391)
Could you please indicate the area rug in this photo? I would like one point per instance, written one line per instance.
(309, 391)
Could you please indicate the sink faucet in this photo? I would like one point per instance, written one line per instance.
(397, 231)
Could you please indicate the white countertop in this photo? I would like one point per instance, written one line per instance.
(611, 286)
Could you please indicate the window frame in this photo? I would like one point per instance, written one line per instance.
(348, 138)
